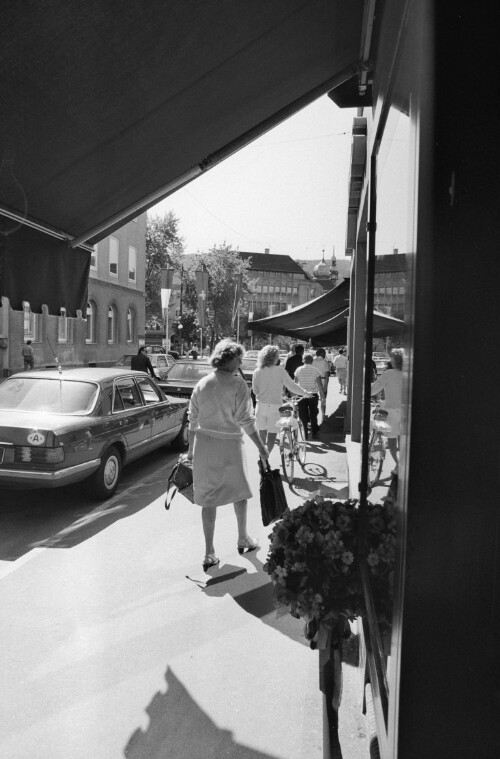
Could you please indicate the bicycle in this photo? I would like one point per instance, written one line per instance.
(377, 445)
(291, 439)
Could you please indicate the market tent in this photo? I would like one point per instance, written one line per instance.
(324, 320)
(108, 107)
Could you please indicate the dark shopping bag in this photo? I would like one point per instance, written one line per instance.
(272, 495)
(180, 481)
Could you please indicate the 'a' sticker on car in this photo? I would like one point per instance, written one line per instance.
(36, 438)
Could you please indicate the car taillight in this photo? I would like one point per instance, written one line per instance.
(37, 455)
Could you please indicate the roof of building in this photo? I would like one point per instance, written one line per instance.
(272, 262)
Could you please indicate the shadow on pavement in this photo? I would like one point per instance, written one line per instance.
(65, 517)
(179, 729)
(254, 594)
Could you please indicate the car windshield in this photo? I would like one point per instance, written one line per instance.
(248, 364)
(47, 396)
(191, 370)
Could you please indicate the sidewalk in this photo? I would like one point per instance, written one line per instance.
(258, 677)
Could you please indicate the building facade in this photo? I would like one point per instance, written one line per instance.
(116, 301)
(280, 283)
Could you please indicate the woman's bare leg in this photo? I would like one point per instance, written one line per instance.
(208, 516)
(240, 509)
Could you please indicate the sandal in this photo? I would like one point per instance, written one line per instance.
(210, 560)
(247, 543)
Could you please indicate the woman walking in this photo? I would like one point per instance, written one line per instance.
(267, 384)
(220, 411)
(391, 382)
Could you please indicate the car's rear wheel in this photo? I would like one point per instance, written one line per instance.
(104, 482)
(181, 442)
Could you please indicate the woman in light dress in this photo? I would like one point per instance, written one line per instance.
(220, 411)
(391, 381)
(267, 384)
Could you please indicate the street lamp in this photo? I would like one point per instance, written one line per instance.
(179, 326)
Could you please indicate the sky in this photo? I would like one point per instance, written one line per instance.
(286, 191)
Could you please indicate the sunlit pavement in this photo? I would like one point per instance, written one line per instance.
(115, 643)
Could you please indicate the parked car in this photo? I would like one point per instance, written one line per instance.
(382, 361)
(160, 361)
(180, 379)
(58, 428)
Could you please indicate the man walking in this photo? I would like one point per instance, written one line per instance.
(340, 364)
(293, 363)
(308, 377)
(142, 363)
(28, 357)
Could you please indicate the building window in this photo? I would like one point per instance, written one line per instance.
(62, 326)
(295, 290)
(111, 324)
(130, 326)
(93, 258)
(114, 247)
(31, 323)
(132, 263)
(264, 289)
(271, 289)
(91, 314)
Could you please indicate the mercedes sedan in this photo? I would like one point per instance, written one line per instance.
(59, 427)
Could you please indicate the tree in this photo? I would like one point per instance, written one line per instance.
(164, 245)
(224, 269)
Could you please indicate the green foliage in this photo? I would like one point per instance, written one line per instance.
(163, 245)
(224, 268)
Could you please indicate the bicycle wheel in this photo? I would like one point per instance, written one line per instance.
(301, 445)
(376, 456)
(286, 450)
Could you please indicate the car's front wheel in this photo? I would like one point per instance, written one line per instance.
(181, 442)
(103, 483)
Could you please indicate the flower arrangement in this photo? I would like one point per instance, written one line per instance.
(313, 561)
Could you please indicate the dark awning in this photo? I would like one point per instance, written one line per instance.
(313, 312)
(324, 320)
(108, 107)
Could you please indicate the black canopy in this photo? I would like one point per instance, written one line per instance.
(324, 320)
(109, 106)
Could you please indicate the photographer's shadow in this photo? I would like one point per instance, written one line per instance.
(254, 594)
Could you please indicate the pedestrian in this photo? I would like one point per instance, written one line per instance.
(268, 381)
(321, 363)
(194, 353)
(293, 363)
(28, 356)
(308, 376)
(391, 382)
(142, 363)
(340, 364)
(220, 411)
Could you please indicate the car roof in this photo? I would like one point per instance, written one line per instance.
(84, 373)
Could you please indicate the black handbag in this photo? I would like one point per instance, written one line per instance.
(180, 480)
(273, 503)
